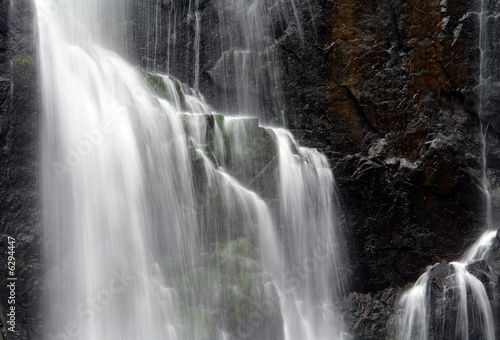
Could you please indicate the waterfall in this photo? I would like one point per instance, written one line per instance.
(103, 136)
(412, 323)
(164, 219)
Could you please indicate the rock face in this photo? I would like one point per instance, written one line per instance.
(399, 120)
(19, 206)
(402, 128)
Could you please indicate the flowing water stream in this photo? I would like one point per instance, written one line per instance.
(164, 219)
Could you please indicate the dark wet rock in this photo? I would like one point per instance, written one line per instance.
(19, 206)
(402, 136)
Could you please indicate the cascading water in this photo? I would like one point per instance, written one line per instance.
(166, 220)
(308, 202)
(244, 38)
(248, 68)
(101, 228)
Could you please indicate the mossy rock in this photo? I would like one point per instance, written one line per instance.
(157, 84)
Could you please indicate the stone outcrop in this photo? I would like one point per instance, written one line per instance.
(375, 315)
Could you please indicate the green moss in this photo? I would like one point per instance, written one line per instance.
(219, 119)
(157, 84)
(241, 247)
(23, 66)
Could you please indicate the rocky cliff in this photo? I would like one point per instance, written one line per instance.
(389, 90)
(400, 119)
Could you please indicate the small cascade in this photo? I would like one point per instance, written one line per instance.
(228, 46)
(241, 48)
(314, 255)
(304, 294)
(449, 302)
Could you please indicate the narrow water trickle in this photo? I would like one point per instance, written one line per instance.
(484, 157)
(483, 98)
(197, 50)
(166, 220)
